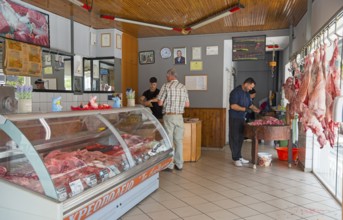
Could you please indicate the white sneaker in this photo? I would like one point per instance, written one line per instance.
(238, 163)
(244, 161)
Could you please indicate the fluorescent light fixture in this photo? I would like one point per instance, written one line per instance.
(218, 16)
(110, 17)
(81, 4)
(184, 31)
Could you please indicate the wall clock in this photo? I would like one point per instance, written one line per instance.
(165, 52)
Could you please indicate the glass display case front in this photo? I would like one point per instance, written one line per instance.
(64, 154)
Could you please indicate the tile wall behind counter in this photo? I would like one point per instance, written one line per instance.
(42, 101)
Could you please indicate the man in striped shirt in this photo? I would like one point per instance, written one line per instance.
(174, 98)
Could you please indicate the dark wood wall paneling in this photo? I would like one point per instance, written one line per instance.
(213, 125)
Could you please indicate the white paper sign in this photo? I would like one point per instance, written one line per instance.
(76, 187)
(212, 50)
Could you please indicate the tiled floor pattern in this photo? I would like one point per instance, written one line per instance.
(213, 188)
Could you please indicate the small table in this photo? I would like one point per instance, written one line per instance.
(269, 133)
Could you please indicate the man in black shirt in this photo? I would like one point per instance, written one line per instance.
(149, 99)
(240, 102)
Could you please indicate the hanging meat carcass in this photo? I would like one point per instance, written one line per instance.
(301, 95)
(332, 90)
(316, 101)
(321, 86)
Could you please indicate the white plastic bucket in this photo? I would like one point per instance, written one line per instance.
(264, 159)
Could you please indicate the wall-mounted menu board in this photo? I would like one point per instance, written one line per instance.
(248, 48)
(22, 59)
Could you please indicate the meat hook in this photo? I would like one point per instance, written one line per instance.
(328, 37)
(323, 39)
(336, 30)
(319, 41)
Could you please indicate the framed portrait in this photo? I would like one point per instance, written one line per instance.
(146, 57)
(180, 55)
(105, 39)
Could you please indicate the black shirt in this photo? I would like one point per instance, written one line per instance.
(156, 109)
(240, 97)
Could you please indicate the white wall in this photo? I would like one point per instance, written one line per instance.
(112, 50)
(60, 26)
(60, 36)
(82, 40)
(322, 11)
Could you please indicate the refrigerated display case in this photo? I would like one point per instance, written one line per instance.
(80, 164)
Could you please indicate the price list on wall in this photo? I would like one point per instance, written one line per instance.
(248, 48)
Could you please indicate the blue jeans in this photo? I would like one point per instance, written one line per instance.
(174, 126)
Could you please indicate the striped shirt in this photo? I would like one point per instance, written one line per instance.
(174, 96)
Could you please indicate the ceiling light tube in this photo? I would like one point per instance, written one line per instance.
(218, 16)
(110, 17)
(80, 4)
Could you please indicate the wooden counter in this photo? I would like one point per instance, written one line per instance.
(192, 141)
(269, 133)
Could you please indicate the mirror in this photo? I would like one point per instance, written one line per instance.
(56, 72)
(64, 72)
(102, 74)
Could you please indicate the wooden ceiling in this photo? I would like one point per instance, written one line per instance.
(257, 15)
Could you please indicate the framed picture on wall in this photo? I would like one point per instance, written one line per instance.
(24, 24)
(196, 82)
(179, 55)
(105, 39)
(146, 57)
(118, 41)
(196, 53)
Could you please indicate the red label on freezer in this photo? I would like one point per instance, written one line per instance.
(109, 197)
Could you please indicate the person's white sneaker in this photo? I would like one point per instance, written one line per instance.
(244, 161)
(238, 163)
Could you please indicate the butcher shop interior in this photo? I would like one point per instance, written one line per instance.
(80, 139)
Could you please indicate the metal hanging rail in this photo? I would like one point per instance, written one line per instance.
(317, 36)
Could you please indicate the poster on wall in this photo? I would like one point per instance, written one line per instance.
(24, 24)
(196, 82)
(22, 59)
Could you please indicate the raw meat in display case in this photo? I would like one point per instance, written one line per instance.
(68, 160)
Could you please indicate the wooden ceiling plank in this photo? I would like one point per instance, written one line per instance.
(257, 15)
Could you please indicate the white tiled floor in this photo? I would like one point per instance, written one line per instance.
(213, 188)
